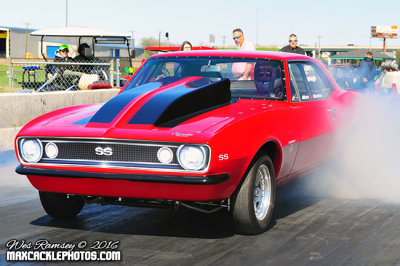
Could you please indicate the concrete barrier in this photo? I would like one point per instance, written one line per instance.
(17, 109)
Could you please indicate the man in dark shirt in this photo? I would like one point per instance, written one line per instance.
(366, 72)
(83, 58)
(292, 47)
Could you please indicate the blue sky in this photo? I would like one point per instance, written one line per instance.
(339, 22)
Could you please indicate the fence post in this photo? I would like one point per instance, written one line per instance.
(118, 73)
(112, 72)
(10, 75)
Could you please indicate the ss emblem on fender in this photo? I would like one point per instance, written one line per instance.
(106, 151)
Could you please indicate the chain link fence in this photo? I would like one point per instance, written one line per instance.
(39, 76)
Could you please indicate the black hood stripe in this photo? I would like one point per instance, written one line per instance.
(152, 109)
(182, 101)
(113, 107)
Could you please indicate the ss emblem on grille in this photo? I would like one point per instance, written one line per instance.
(106, 151)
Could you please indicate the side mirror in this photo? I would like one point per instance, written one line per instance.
(133, 53)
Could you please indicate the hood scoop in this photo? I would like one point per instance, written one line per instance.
(173, 106)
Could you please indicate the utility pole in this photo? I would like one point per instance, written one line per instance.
(257, 29)
(370, 39)
(66, 13)
(319, 46)
(384, 46)
(26, 39)
(159, 38)
(133, 38)
(223, 41)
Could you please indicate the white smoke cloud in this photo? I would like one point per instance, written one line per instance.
(367, 162)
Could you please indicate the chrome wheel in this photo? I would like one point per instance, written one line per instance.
(262, 192)
(253, 204)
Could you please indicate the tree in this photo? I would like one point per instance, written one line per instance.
(149, 41)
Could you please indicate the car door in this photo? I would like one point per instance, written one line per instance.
(314, 110)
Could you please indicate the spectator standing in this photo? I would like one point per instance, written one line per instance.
(366, 72)
(186, 46)
(242, 70)
(241, 42)
(292, 47)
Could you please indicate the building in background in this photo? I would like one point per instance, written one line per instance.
(20, 43)
(15, 42)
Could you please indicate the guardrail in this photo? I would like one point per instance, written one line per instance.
(18, 109)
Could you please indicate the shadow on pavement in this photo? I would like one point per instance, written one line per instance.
(291, 198)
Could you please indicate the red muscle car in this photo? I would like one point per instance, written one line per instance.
(205, 130)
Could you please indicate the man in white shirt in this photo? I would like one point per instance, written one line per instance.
(242, 70)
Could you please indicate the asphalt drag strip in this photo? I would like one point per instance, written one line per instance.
(307, 229)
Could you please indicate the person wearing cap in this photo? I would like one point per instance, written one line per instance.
(366, 72)
(62, 56)
(83, 58)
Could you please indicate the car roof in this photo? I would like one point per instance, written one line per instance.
(238, 53)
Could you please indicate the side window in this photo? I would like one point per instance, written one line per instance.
(310, 81)
(320, 87)
(299, 80)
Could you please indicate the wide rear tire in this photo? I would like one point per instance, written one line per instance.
(58, 205)
(253, 204)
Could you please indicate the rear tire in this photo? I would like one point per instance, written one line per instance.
(57, 205)
(253, 204)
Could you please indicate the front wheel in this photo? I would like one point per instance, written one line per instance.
(254, 202)
(58, 205)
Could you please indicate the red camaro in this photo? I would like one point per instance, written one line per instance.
(201, 129)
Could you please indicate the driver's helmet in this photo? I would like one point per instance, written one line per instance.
(264, 73)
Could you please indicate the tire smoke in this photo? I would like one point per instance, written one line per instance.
(367, 159)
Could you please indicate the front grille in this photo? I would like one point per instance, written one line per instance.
(124, 153)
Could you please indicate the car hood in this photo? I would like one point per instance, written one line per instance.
(178, 108)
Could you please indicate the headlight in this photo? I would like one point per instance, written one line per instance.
(51, 150)
(192, 157)
(31, 150)
(165, 155)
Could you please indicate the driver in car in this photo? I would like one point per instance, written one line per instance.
(267, 80)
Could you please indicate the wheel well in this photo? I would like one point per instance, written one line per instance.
(273, 150)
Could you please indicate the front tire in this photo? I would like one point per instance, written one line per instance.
(59, 206)
(254, 202)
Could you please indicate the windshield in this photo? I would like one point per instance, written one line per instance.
(249, 77)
